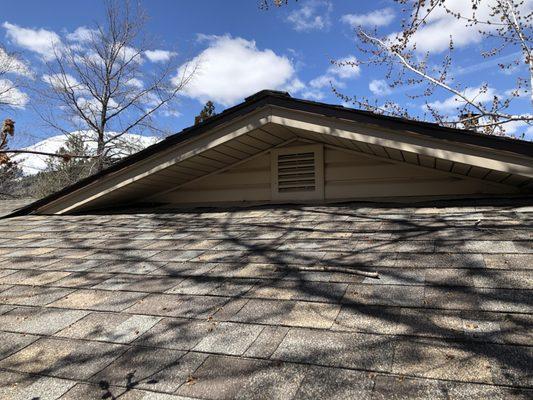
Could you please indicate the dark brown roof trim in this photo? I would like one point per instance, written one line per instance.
(283, 99)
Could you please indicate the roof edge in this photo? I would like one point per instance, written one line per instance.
(283, 99)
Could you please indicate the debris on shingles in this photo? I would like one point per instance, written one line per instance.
(346, 270)
(191, 380)
(434, 316)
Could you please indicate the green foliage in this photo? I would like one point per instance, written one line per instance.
(207, 112)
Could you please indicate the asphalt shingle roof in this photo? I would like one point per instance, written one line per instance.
(295, 302)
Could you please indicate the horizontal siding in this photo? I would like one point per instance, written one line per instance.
(347, 175)
(352, 176)
(247, 182)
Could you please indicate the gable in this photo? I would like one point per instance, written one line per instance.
(347, 175)
(228, 163)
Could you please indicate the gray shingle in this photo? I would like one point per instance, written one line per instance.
(110, 327)
(63, 358)
(38, 320)
(290, 293)
(335, 349)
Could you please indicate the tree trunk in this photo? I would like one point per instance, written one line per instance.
(100, 152)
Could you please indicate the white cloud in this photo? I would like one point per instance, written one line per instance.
(434, 36)
(233, 68)
(136, 83)
(342, 69)
(345, 68)
(518, 127)
(82, 34)
(171, 113)
(518, 92)
(40, 41)
(312, 15)
(10, 64)
(60, 81)
(324, 80)
(294, 86)
(11, 95)
(379, 87)
(313, 94)
(452, 103)
(381, 17)
(159, 55)
(130, 53)
(93, 106)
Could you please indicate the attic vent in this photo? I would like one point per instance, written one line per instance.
(297, 173)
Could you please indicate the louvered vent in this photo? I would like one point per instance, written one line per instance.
(296, 172)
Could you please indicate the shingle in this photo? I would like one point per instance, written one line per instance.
(101, 300)
(28, 277)
(432, 319)
(452, 298)
(183, 269)
(229, 338)
(13, 342)
(387, 295)
(152, 369)
(179, 305)
(17, 386)
(292, 313)
(94, 392)
(138, 283)
(221, 377)
(37, 320)
(504, 300)
(446, 260)
(110, 327)
(509, 261)
(299, 290)
(129, 267)
(63, 358)
(82, 279)
(32, 295)
(6, 272)
(178, 334)
(483, 246)
(5, 308)
(334, 383)
(267, 342)
(400, 388)
(438, 359)
(335, 349)
(176, 255)
(273, 381)
(74, 265)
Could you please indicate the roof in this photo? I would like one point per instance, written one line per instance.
(267, 98)
(292, 302)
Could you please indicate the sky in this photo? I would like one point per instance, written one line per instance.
(241, 49)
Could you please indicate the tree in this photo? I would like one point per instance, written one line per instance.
(10, 176)
(64, 170)
(504, 24)
(97, 84)
(12, 72)
(507, 26)
(207, 112)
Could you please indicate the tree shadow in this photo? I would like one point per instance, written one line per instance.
(376, 266)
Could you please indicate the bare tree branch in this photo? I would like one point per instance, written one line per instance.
(101, 86)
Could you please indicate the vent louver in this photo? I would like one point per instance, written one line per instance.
(296, 172)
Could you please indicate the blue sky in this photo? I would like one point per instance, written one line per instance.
(243, 49)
